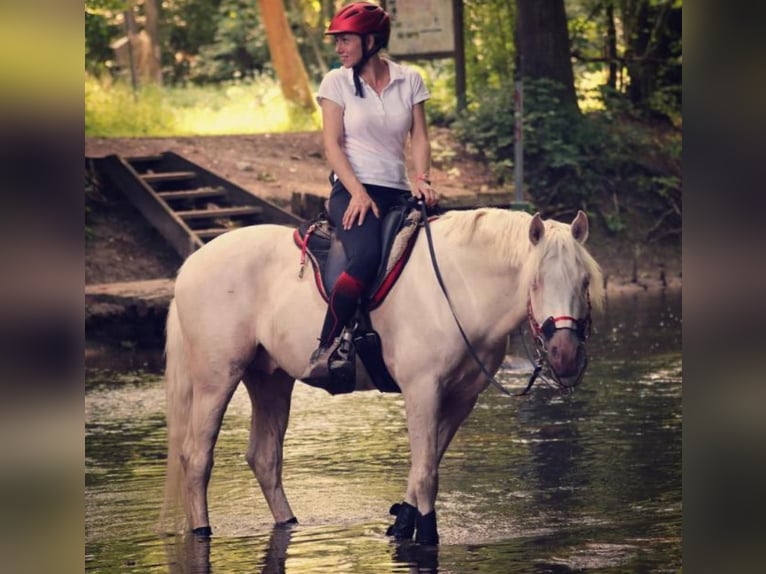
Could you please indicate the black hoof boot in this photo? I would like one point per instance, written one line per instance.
(403, 527)
(203, 531)
(426, 529)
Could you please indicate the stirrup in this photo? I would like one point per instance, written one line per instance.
(319, 362)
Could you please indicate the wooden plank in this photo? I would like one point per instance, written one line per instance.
(212, 232)
(271, 212)
(192, 193)
(168, 176)
(124, 177)
(221, 212)
(144, 158)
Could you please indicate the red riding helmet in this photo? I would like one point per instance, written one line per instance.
(362, 18)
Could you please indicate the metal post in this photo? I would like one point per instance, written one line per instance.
(518, 143)
(457, 18)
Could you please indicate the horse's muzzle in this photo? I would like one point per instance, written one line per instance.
(567, 357)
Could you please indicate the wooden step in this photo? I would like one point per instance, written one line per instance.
(168, 176)
(222, 212)
(211, 232)
(193, 193)
(144, 158)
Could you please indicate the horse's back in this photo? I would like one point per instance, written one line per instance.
(231, 270)
(242, 290)
(231, 255)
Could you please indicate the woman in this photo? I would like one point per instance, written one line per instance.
(369, 106)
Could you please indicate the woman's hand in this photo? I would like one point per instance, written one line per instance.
(424, 190)
(357, 209)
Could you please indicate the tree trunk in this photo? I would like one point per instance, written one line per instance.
(651, 32)
(543, 45)
(284, 55)
(637, 26)
(152, 28)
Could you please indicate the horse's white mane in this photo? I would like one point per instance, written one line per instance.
(505, 235)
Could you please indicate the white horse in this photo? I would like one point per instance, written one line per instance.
(242, 314)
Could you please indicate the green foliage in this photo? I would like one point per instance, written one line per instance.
(186, 27)
(487, 129)
(238, 50)
(489, 56)
(99, 33)
(591, 161)
(439, 77)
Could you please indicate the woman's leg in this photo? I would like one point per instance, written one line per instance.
(362, 246)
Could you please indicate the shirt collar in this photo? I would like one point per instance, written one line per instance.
(394, 69)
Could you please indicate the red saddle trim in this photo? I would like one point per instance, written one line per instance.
(392, 276)
(302, 243)
(385, 287)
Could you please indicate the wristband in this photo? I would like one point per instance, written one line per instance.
(423, 177)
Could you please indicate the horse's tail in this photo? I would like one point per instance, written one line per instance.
(178, 396)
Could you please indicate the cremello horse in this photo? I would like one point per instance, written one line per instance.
(242, 314)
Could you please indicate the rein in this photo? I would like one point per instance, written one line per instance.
(471, 350)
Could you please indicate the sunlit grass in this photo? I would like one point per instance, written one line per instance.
(113, 110)
(587, 84)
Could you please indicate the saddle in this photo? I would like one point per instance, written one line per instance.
(320, 245)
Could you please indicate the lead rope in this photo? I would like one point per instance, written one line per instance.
(471, 350)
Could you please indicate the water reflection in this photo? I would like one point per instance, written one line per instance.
(549, 483)
(203, 555)
(191, 554)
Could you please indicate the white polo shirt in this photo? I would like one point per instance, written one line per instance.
(376, 127)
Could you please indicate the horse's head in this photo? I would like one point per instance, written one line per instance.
(564, 281)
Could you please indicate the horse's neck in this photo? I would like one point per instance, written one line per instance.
(485, 280)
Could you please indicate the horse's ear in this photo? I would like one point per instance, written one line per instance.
(536, 229)
(580, 227)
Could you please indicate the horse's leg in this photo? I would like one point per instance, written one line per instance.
(453, 411)
(270, 396)
(209, 402)
(422, 404)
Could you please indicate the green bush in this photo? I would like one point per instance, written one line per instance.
(112, 109)
(599, 162)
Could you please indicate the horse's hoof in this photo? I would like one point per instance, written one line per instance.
(403, 527)
(204, 531)
(427, 533)
(287, 523)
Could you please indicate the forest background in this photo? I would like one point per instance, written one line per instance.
(602, 90)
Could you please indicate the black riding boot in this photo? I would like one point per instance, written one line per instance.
(344, 299)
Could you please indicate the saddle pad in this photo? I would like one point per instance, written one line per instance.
(318, 242)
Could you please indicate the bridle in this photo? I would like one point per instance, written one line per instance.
(543, 333)
(540, 333)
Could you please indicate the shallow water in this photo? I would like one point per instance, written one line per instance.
(549, 483)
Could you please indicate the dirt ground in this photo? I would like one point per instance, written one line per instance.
(122, 246)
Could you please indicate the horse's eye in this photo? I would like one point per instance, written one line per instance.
(585, 283)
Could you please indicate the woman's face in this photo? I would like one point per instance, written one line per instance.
(349, 49)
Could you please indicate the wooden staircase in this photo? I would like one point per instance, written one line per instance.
(186, 203)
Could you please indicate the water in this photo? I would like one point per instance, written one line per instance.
(551, 483)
